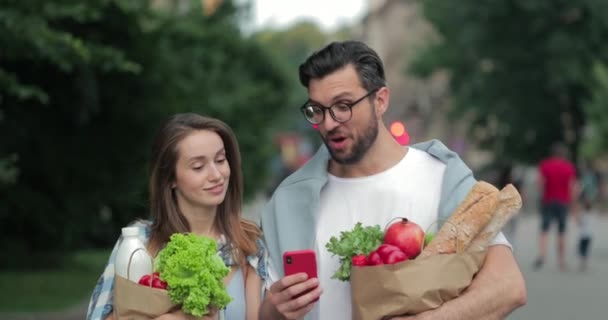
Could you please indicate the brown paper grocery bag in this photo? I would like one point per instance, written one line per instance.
(412, 286)
(133, 301)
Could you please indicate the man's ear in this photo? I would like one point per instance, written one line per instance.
(382, 100)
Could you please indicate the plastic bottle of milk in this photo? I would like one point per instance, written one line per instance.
(141, 262)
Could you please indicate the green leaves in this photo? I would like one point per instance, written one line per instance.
(85, 85)
(359, 240)
(194, 273)
(596, 135)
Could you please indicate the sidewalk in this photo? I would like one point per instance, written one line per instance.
(78, 312)
(559, 295)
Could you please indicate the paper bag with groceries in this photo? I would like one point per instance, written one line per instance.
(439, 271)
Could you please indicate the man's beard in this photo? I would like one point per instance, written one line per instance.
(360, 146)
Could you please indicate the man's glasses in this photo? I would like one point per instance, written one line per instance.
(341, 111)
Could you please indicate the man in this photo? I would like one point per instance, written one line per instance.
(362, 174)
(557, 177)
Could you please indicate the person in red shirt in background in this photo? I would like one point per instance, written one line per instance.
(557, 178)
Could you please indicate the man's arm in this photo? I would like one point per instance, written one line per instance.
(268, 310)
(497, 289)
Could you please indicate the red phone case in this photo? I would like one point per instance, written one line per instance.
(300, 261)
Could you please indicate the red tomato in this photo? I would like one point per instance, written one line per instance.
(374, 258)
(395, 256)
(359, 260)
(157, 283)
(155, 274)
(145, 280)
(385, 249)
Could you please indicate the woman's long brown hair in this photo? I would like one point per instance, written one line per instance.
(166, 215)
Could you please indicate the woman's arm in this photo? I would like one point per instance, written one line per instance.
(253, 293)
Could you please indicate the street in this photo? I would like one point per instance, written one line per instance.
(562, 295)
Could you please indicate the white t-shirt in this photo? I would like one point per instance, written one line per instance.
(410, 189)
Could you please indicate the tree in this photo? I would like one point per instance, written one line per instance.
(521, 69)
(291, 46)
(596, 110)
(85, 85)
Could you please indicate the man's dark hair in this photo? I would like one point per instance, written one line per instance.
(338, 55)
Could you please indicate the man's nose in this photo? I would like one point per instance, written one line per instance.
(329, 123)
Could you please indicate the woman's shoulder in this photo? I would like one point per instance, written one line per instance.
(259, 260)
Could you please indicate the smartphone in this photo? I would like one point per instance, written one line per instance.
(300, 261)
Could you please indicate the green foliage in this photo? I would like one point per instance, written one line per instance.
(290, 47)
(194, 273)
(84, 86)
(8, 170)
(596, 110)
(520, 68)
(40, 289)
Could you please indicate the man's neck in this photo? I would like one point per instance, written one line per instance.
(384, 154)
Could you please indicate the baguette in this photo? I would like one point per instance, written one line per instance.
(509, 203)
(470, 218)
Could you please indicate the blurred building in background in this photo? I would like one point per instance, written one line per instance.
(397, 29)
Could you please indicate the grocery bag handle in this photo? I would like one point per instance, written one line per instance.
(131, 259)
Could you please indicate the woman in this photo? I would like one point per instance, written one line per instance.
(196, 186)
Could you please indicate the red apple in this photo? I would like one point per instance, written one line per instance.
(407, 236)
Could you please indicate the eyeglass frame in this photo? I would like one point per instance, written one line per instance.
(331, 113)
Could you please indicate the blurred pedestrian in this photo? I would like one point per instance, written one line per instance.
(585, 219)
(589, 182)
(557, 178)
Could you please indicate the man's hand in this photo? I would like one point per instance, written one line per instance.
(283, 295)
(497, 290)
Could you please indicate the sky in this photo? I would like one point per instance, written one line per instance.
(329, 14)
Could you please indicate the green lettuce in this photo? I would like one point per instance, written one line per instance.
(194, 273)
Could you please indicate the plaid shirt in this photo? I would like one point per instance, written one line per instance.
(101, 303)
